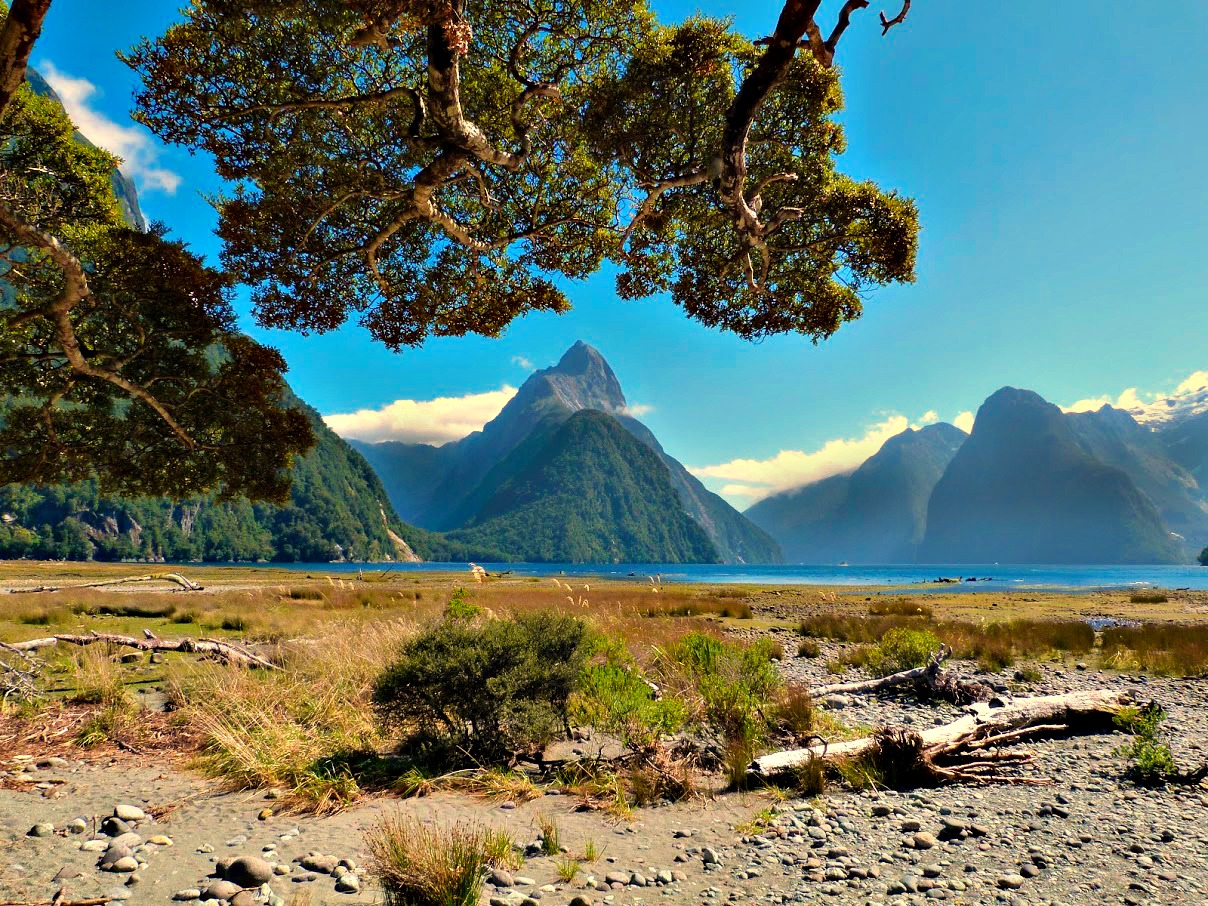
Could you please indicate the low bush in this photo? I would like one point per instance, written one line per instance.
(305, 594)
(808, 648)
(489, 689)
(1151, 760)
(1148, 597)
(900, 649)
(616, 699)
(460, 607)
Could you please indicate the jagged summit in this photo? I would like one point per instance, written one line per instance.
(582, 379)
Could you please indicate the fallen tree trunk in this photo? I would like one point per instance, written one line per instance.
(985, 725)
(931, 677)
(224, 651)
(174, 578)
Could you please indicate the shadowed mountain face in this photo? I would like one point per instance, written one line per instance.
(446, 488)
(1024, 489)
(876, 514)
(1114, 437)
(1186, 442)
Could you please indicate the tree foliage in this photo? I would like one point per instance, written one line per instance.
(117, 348)
(488, 688)
(430, 168)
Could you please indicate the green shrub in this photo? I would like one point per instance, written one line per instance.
(491, 689)
(1152, 760)
(616, 700)
(460, 607)
(734, 684)
(901, 649)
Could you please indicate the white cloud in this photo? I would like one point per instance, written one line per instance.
(637, 410)
(523, 362)
(1189, 396)
(930, 417)
(136, 147)
(964, 421)
(754, 479)
(436, 421)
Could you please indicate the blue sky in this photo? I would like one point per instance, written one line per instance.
(1056, 151)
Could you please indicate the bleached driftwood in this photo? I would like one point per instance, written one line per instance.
(224, 651)
(931, 677)
(175, 578)
(985, 725)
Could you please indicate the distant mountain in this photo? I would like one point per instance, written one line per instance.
(586, 491)
(1186, 442)
(123, 188)
(1113, 436)
(1024, 489)
(876, 514)
(448, 488)
(337, 510)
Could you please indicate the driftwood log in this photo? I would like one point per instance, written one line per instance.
(174, 578)
(973, 738)
(931, 678)
(223, 651)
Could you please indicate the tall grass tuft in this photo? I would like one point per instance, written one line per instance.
(297, 728)
(423, 865)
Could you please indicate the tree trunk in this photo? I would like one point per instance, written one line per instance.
(175, 578)
(224, 651)
(985, 724)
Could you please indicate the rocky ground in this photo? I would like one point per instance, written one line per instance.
(133, 830)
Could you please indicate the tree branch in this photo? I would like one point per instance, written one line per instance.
(21, 29)
(76, 290)
(887, 24)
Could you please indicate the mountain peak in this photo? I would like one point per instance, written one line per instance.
(582, 379)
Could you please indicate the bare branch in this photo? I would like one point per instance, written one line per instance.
(844, 22)
(887, 24)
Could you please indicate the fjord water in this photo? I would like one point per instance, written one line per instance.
(990, 577)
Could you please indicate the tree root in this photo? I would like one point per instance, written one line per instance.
(964, 751)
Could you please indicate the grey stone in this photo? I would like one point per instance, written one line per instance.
(221, 890)
(924, 841)
(499, 878)
(249, 871)
(1010, 882)
(189, 893)
(348, 883)
(45, 829)
(129, 813)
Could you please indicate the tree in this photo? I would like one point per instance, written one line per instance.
(118, 348)
(430, 166)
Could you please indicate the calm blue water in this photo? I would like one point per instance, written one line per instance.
(1001, 578)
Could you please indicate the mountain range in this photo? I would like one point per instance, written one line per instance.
(1029, 484)
(503, 489)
